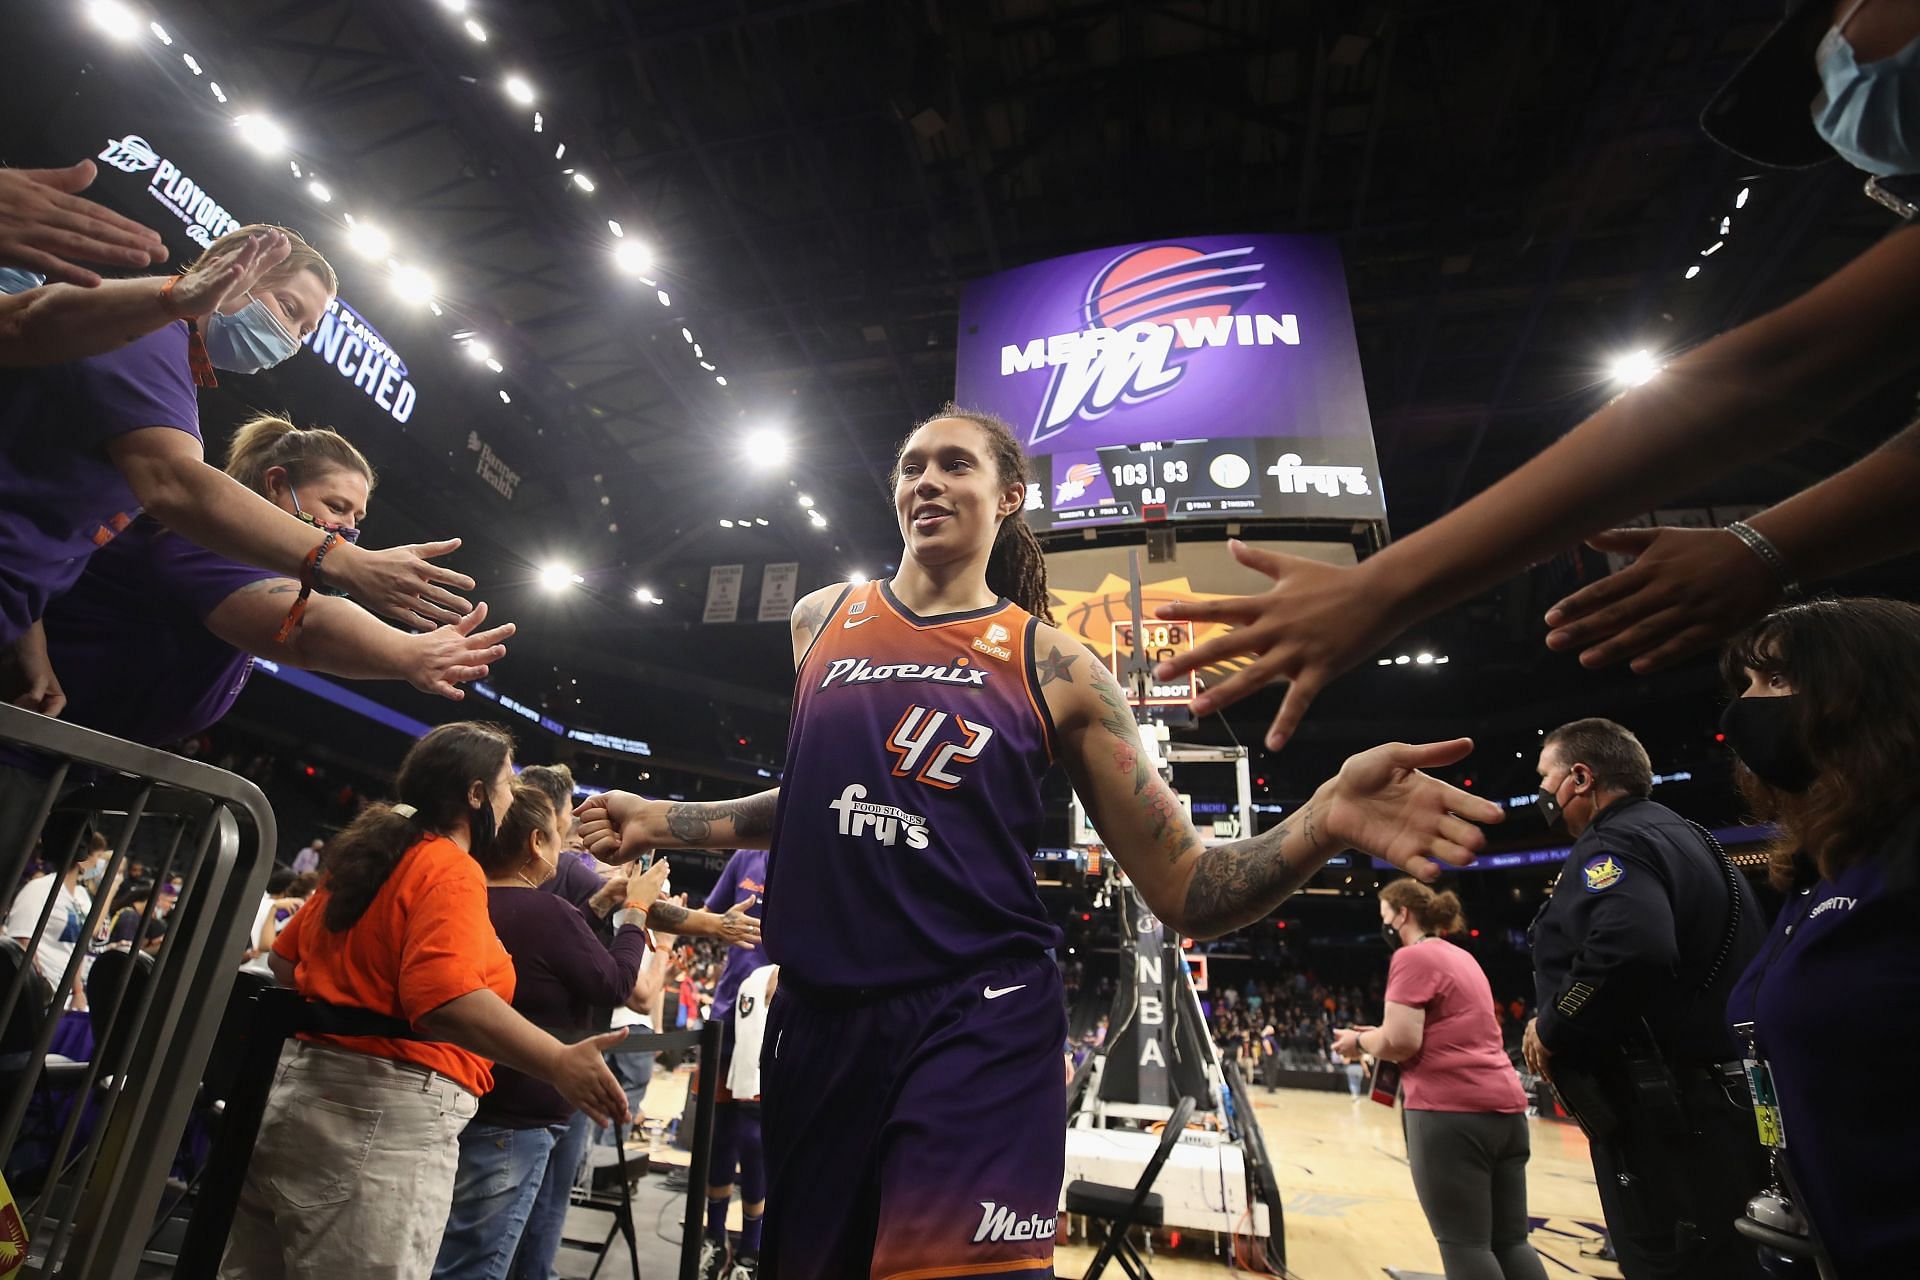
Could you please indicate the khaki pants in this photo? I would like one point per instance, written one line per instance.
(353, 1171)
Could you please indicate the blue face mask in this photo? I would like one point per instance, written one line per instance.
(1869, 114)
(249, 340)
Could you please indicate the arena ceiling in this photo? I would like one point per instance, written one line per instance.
(1517, 188)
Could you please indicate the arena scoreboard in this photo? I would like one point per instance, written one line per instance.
(1208, 378)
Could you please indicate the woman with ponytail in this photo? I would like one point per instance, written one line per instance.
(150, 601)
(87, 445)
(914, 1068)
(1466, 1115)
(353, 1171)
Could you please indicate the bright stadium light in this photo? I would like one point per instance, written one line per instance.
(369, 241)
(478, 351)
(632, 257)
(411, 284)
(113, 18)
(857, 578)
(661, 294)
(806, 502)
(555, 576)
(766, 447)
(1634, 369)
(519, 90)
(477, 31)
(583, 182)
(320, 191)
(262, 134)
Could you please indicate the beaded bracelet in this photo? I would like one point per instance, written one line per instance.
(309, 573)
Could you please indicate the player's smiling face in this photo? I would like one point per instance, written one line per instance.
(947, 493)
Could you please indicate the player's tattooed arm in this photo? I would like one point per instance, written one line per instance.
(809, 616)
(1234, 884)
(743, 823)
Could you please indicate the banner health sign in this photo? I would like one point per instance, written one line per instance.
(1210, 377)
(343, 339)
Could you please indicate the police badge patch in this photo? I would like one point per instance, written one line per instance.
(1602, 872)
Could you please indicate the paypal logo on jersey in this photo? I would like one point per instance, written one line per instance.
(861, 671)
(884, 822)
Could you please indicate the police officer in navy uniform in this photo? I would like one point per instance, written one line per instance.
(1634, 956)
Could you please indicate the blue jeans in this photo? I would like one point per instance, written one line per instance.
(548, 1218)
(500, 1170)
(633, 1071)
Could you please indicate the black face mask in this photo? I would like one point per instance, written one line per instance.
(1391, 934)
(1761, 732)
(1547, 807)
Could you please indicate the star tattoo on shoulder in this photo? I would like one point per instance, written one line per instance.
(1055, 666)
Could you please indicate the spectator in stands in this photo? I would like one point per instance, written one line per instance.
(1466, 1116)
(353, 1170)
(1826, 724)
(260, 937)
(129, 910)
(580, 882)
(52, 947)
(151, 600)
(562, 974)
(86, 444)
(44, 324)
(308, 859)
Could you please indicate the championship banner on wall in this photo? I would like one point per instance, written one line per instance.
(723, 593)
(1210, 377)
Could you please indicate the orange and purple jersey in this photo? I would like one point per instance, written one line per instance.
(911, 806)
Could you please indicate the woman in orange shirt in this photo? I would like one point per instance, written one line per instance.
(353, 1171)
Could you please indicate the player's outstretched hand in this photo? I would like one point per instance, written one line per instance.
(1688, 589)
(611, 826)
(1382, 804)
(1313, 626)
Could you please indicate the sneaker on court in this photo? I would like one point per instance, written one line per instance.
(745, 1267)
(713, 1259)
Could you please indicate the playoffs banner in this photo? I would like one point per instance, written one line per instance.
(1206, 377)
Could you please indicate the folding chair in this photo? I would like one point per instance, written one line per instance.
(1121, 1208)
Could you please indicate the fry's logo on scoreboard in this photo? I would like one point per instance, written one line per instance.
(1137, 310)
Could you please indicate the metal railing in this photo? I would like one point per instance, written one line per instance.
(88, 1144)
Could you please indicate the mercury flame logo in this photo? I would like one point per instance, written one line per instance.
(1138, 310)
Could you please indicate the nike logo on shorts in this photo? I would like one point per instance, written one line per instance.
(994, 993)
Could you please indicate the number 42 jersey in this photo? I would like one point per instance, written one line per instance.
(910, 807)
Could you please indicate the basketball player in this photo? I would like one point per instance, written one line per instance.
(912, 1061)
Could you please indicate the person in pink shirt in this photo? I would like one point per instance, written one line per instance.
(1466, 1115)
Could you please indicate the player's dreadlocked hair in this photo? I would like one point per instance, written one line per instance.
(1016, 569)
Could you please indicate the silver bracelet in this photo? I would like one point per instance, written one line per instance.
(1761, 546)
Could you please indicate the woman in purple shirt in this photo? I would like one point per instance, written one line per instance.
(150, 600)
(87, 445)
(561, 973)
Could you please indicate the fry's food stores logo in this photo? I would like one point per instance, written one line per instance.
(344, 338)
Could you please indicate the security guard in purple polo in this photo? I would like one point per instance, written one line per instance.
(1634, 955)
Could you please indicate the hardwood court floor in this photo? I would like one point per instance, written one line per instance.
(1350, 1208)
